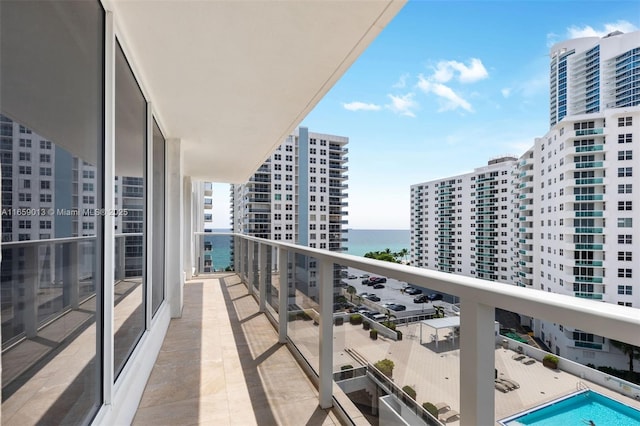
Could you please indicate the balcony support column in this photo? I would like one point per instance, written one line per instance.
(250, 266)
(325, 281)
(477, 363)
(283, 294)
(263, 270)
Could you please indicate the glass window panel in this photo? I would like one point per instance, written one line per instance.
(130, 232)
(158, 217)
(51, 110)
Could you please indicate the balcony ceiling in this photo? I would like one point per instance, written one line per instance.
(232, 79)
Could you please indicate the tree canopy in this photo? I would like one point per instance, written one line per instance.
(388, 256)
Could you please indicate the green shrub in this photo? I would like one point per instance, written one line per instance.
(366, 325)
(346, 367)
(399, 334)
(550, 361)
(385, 366)
(373, 334)
(355, 319)
(431, 409)
(410, 391)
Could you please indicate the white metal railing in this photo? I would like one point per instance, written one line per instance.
(478, 299)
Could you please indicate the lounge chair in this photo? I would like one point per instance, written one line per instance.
(501, 386)
(512, 383)
(506, 383)
(442, 407)
(528, 361)
(519, 357)
(448, 416)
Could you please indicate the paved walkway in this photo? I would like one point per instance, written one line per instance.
(221, 364)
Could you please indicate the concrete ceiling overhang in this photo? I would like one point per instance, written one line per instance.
(232, 79)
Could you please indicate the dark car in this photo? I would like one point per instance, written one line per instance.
(378, 280)
(412, 291)
(366, 282)
(421, 299)
(435, 296)
(377, 286)
(373, 298)
(397, 307)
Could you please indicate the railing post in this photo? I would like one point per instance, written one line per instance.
(31, 278)
(283, 294)
(250, 251)
(477, 363)
(263, 268)
(326, 333)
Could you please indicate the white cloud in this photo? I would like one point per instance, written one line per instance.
(445, 71)
(403, 105)
(449, 100)
(588, 31)
(506, 92)
(402, 82)
(361, 106)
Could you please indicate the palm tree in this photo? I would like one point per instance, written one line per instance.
(351, 290)
(439, 311)
(633, 352)
(403, 253)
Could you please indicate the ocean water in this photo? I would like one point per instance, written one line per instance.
(361, 241)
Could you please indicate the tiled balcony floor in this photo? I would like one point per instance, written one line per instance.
(221, 364)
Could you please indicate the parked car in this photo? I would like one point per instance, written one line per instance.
(435, 296)
(365, 294)
(373, 297)
(364, 276)
(421, 299)
(377, 280)
(352, 277)
(379, 317)
(412, 291)
(366, 282)
(378, 286)
(397, 307)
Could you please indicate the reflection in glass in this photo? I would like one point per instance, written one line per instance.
(51, 165)
(129, 285)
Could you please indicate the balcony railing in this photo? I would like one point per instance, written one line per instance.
(262, 263)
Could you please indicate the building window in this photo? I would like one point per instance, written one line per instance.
(625, 171)
(625, 256)
(625, 155)
(625, 188)
(625, 121)
(625, 205)
(625, 289)
(624, 273)
(625, 239)
(625, 138)
(625, 222)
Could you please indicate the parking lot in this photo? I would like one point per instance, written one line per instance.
(393, 292)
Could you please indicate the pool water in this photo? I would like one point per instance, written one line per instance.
(578, 410)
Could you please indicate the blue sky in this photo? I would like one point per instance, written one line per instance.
(445, 87)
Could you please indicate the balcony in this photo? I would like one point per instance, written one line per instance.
(587, 132)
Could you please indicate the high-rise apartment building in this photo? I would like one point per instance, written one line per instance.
(298, 195)
(464, 224)
(568, 216)
(592, 74)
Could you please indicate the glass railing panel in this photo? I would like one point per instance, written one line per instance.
(273, 284)
(381, 322)
(303, 307)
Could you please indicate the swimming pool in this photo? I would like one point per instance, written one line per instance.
(578, 409)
